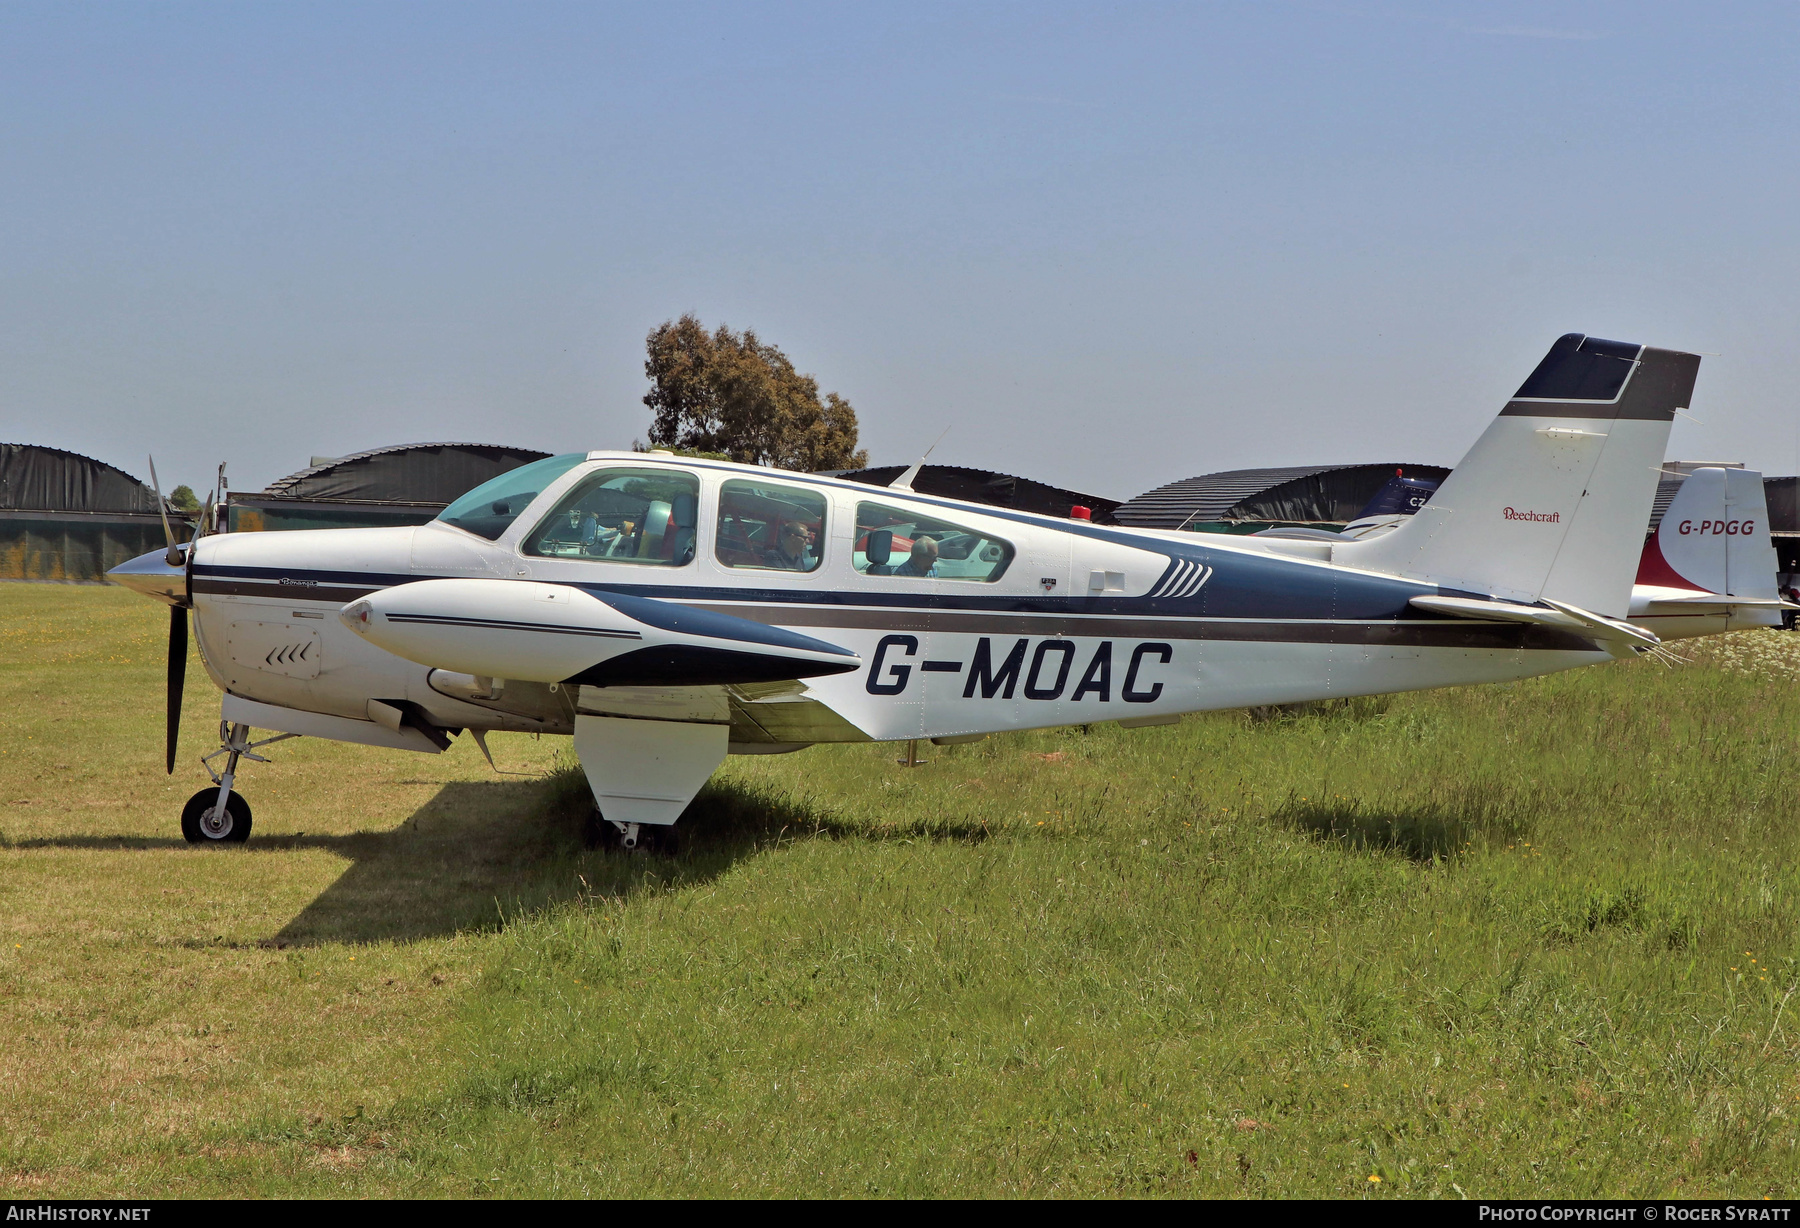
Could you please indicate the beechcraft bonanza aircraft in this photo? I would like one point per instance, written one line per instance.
(667, 612)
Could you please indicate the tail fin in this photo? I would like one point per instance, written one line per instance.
(1714, 537)
(1552, 500)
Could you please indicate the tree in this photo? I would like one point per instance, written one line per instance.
(735, 394)
(182, 499)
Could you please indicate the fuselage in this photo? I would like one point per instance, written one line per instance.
(1019, 620)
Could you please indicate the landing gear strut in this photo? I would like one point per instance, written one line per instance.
(217, 815)
(605, 833)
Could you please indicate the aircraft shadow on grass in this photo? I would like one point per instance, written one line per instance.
(480, 854)
(1420, 833)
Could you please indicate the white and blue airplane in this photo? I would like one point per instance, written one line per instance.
(667, 611)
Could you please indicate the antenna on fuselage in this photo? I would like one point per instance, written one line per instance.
(905, 480)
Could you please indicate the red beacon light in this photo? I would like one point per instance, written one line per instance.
(1079, 512)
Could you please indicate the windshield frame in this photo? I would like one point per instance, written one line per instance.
(548, 474)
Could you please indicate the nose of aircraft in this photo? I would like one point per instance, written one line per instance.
(151, 575)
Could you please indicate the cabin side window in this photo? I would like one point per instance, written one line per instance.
(768, 526)
(892, 541)
(623, 516)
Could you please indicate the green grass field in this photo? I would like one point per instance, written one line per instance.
(1535, 939)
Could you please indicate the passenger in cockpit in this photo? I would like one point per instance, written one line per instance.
(922, 562)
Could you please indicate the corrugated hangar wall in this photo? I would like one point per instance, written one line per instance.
(66, 517)
(401, 485)
(1257, 498)
(1246, 500)
(986, 486)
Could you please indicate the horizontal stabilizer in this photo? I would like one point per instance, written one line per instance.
(1564, 617)
(1689, 599)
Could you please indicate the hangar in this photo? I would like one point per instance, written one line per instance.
(1783, 495)
(986, 486)
(1249, 500)
(64, 516)
(399, 485)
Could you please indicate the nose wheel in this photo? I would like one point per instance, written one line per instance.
(202, 822)
(217, 815)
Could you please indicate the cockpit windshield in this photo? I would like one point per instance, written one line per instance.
(489, 509)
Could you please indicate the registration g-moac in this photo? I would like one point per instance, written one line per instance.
(666, 612)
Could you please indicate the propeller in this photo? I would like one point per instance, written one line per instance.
(178, 618)
(173, 557)
(178, 637)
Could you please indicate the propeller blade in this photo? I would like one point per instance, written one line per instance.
(178, 651)
(173, 557)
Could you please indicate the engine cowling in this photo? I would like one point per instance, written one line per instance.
(536, 632)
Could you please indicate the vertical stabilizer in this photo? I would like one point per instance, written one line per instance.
(1714, 538)
(1552, 500)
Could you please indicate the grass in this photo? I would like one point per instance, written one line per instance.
(1522, 940)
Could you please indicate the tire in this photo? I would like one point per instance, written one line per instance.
(237, 818)
(663, 841)
(597, 833)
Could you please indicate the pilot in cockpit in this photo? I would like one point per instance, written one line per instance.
(597, 540)
(792, 550)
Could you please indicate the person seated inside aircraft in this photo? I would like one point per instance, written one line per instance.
(792, 550)
(597, 540)
(922, 561)
(769, 526)
(890, 541)
(641, 514)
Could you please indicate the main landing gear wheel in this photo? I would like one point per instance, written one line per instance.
(202, 825)
(602, 833)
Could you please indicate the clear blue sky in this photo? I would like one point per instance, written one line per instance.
(1111, 245)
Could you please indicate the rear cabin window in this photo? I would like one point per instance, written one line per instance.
(891, 541)
(770, 527)
(623, 516)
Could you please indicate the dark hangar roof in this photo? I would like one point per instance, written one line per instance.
(35, 478)
(1783, 497)
(985, 486)
(404, 473)
(1299, 493)
(1666, 490)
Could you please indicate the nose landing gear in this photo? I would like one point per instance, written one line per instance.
(202, 824)
(217, 815)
